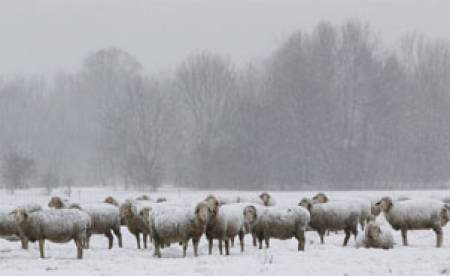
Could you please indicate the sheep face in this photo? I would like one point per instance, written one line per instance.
(375, 210)
(320, 198)
(250, 214)
(203, 212)
(305, 203)
(373, 231)
(145, 215)
(265, 197)
(213, 204)
(56, 202)
(385, 204)
(20, 215)
(126, 210)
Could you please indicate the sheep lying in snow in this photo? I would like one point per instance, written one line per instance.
(376, 235)
(334, 215)
(170, 224)
(8, 227)
(413, 215)
(279, 223)
(105, 218)
(362, 205)
(59, 226)
(224, 225)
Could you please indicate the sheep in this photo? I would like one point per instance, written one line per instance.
(129, 213)
(170, 224)
(334, 215)
(413, 215)
(276, 222)
(111, 200)
(362, 205)
(264, 199)
(58, 203)
(8, 227)
(143, 197)
(376, 236)
(105, 218)
(225, 224)
(59, 226)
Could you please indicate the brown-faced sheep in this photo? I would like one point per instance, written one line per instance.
(376, 236)
(413, 215)
(335, 215)
(136, 226)
(170, 224)
(59, 226)
(224, 225)
(278, 223)
(111, 200)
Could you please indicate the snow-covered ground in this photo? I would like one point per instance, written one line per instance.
(420, 258)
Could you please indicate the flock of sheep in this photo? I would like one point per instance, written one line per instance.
(223, 219)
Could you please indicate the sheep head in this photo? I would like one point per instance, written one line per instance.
(373, 231)
(20, 215)
(56, 202)
(145, 215)
(385, 204)
(250, 214)
(306, 203)
(320, 198)
(127, 210)
(203, 212)
(265, 197)
(111, 200)
(213, 204)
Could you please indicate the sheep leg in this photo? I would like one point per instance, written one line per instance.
(110, 239)
(439, 236)
(405, 236)
(267, 240)
(24, 243)
(144, 239)
(118, 235)
(254, 240)
(321, 234)
(138, 240)
(301, 240)
(260, 239)
(79, 245)
(157, 249)
(232, 242)
(227, 247)
(184, 248)
(220, 247)
(241, 240)
(210, 246)
(347, 236)
(41, 247)
(195, 243)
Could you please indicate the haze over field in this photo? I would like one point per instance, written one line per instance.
(46, 36)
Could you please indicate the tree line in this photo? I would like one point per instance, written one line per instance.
(329, 109)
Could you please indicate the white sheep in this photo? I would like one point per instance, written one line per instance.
(225, 224)
(333, 215)
(59, 226)
(169, 224)
(413, 215)
(278, 223)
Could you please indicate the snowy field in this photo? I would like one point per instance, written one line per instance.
(420, 258)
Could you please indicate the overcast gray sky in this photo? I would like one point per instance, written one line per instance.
(45, 36)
